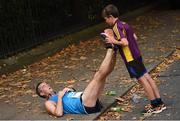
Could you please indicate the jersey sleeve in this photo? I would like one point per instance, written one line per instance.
(122, 32)
(119, 31)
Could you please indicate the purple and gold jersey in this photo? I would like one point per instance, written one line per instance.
(123, 30)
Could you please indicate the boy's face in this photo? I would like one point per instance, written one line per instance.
(109, 20)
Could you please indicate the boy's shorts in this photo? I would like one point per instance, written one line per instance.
(136, 68)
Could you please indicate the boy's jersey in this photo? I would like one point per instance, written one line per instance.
(123, 30)
(71, 102)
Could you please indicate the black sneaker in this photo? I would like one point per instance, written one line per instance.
(103, 38)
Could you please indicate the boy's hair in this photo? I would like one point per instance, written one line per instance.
(38, 91)
(110, 10)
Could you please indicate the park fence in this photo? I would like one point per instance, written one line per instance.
(27, 23)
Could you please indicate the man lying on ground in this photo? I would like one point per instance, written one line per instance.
(68, 101)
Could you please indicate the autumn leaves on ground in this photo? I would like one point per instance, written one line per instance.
(158, 35)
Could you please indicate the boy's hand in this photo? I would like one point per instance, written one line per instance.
(110, 39)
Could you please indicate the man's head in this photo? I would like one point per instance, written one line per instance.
(43, 89)
(110, 13)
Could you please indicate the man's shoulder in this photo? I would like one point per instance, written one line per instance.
(48, 102)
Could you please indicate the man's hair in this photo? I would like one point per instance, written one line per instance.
(38, 91)
(110, 10)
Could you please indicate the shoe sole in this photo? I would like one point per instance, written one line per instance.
(159, 111)
(155, 112)
(163, 108)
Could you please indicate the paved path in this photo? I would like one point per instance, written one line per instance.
(158, 33)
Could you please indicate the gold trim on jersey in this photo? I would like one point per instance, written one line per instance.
(126, 50)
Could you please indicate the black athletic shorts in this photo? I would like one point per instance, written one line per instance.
(95, 109)
(136, 68)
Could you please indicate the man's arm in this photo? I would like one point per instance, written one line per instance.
(55, 109)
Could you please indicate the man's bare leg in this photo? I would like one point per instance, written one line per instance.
(96, 86)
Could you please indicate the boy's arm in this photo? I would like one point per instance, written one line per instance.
(123, 40)
(56, 109)
(135, 36)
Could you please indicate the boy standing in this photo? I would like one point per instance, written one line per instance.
(125, 40)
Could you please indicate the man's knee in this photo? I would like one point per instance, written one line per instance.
(89, 102)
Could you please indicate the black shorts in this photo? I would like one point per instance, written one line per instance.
(136, 68)
(95, 109)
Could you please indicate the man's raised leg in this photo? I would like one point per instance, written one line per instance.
(96, 86)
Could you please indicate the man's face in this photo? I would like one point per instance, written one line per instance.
(109, 20)
(45, 89)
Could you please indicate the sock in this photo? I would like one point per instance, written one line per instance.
(159, 101)
(109, 45)
(154, 103)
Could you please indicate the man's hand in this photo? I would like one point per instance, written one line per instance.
(61, 93)
(56, 109)
(66, 89)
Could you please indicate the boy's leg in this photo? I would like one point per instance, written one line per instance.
(156, 103)
(156, 92)
(153, 85)
(147, 87)
(96, 86)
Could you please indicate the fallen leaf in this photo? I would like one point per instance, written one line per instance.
(71, 81)
(29, 92)
(119, 99)
(83, 58)
(134, 118)
(147, 114)
(165, 94)
(168, 114)
(34, 95)
(74, 59)
(69, 118)
(3, 76)
(7, 101)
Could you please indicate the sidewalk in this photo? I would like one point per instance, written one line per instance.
(169, 88)
(170, 93)
(76, 64)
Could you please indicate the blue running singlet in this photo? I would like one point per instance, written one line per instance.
(72, 103)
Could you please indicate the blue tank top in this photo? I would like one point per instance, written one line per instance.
(71, 103)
